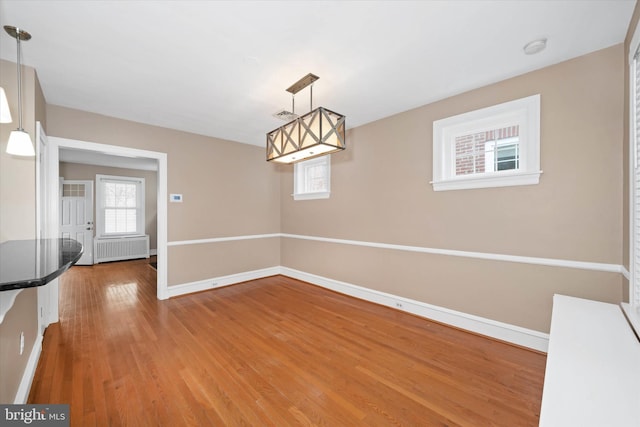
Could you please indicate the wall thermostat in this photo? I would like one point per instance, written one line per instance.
(175, 198)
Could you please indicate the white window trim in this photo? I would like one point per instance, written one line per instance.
(297, 184)
(632, 309)
(524, 112)
(100, 224)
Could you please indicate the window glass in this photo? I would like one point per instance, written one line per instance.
(120, 205)
(312, 178)
(488, 151)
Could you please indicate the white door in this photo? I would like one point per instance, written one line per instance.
(76, 215)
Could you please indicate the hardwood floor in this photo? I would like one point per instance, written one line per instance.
(272, 352)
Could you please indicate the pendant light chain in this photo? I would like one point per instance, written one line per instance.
(19, 70)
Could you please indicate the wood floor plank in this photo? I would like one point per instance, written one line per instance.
(269, 352)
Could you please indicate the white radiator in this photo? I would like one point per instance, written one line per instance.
(105, 250)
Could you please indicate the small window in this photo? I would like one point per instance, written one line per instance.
(119, 205)
(492, 147)
(312, 179)
(73, 190)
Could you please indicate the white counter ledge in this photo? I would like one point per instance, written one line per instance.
(592, 376)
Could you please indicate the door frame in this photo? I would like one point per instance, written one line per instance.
(53, 164)
(46, 296)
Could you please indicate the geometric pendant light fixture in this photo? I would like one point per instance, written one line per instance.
(19, 141)
(317, 133)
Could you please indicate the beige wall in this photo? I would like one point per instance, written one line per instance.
(228, 190)
(17, 221)
(381, 193)
(75, 171)
(21, 318)
(225, 258)
(17, 174)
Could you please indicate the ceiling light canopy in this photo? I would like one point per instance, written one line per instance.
(19, 141)
(317, 133)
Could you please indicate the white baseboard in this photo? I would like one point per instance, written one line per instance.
(480, 325)
(153, 252)
(491, 328)
(30, 370)
(218, 282)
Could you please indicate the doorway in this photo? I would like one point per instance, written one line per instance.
(53, 189)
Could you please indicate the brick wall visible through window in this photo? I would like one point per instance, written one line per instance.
(472, 151)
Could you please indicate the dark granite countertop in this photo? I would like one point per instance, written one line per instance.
(31, 263)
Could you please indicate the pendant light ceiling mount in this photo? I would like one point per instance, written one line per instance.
(302, 83)
(17, 33)
(317, 133)
(19, 141)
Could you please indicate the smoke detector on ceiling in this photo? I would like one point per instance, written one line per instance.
(535, 46)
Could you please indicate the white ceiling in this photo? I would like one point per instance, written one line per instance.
(221, 68)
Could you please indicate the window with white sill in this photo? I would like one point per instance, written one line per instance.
(495, 146)
(312, 179)
(119, 206)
